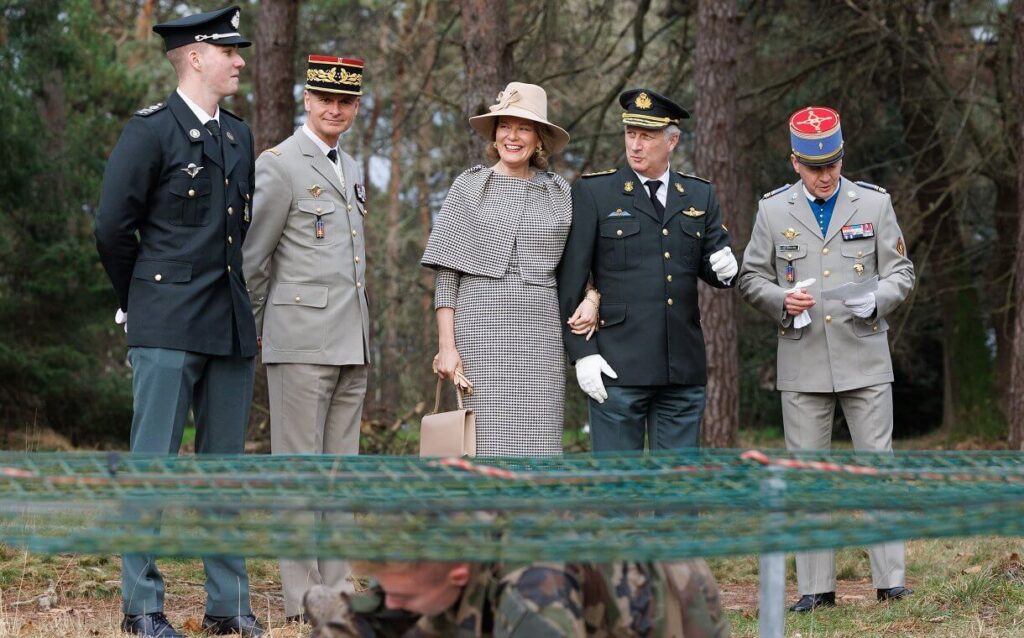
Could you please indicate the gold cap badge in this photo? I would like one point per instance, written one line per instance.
(643, 101)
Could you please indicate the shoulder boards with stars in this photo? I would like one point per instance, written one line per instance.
(273, 151)
(872, 187)
(682, 174)
(149, 110)
(774, 192)
(607, 172)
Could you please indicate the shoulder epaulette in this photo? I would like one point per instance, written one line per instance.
(595, 174)
(775, 192)
(272, 150)
(873, 187)
(149, 110)
(682, 174)
(224, 110)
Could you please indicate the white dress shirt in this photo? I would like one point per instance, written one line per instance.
(662, 190)
(200, 114)
(322, 145)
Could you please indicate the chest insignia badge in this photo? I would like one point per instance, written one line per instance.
(790, 234)
(315, 190)
(628, 186)
(194, 134)
(693, 212)
(192, 170)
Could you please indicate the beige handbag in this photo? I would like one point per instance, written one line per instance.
(448, 433)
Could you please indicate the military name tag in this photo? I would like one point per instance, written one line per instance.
(618, 212)
(858, 231)
(788, 249)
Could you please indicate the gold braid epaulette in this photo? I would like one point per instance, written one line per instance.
(272, 150)
(607, 172)
(696, 177)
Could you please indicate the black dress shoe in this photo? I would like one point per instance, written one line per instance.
(153, 625)
(894, 593)
(813, 601)
(246, 626)
(299, 618)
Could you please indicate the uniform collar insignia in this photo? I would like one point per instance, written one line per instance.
(628, 186)
(194, 134)
(679, 187)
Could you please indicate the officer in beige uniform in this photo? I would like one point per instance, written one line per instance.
(306, 267)
(834, 231)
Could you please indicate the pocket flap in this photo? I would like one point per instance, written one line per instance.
(791, 333)
(863, 328)
(858, 248)
(789, 252)
(618, 230)
(612, 314)
(692, 227)
(163, 271)
(312, 295)
(315, 206)
(185, 186)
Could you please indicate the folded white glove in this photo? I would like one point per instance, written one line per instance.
(723, 262)
(588, 375)
(121, 317)
(863, 307)
(804, 318)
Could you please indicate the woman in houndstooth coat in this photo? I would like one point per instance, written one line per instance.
(495, 246)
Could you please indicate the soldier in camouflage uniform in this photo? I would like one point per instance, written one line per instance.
(542, 600)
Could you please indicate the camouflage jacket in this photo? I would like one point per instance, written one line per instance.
(547, 600)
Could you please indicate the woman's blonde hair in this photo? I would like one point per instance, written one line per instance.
(538, 160)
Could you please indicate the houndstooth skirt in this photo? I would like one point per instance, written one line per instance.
(509, 337)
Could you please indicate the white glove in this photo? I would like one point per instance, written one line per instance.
(588, 375)
(723, 262)
(804, 318)
(863, 307)
(121, 317)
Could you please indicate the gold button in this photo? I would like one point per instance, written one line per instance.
(230, 239)
(828, 317)
(602, 322)
(789, 255)
(670, 301)
(782, 332)
(357, 259)
(298, 299)
(874, 328)
(354, 233)
(667, 255)
(226, 181)
(698, 233)
(824, 251)
(827, 273)
(319, 210)
(860, 253)
(619, 232)
(359, 284)
(158, 276)
(191, 192)
(229, 268)
(350, 206)
(231, 210)
(247, 195)
(668, 278)
(664, 231)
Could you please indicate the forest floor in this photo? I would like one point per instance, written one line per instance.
(963, 587)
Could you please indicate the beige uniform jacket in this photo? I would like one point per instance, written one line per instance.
(837, 351)
(308, 292)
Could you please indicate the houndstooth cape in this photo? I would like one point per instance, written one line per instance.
(478, 240)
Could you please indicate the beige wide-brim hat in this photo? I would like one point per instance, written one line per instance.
(527, 101)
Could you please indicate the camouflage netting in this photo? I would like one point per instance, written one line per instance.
(661, 506)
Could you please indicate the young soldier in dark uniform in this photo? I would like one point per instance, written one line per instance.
(644, 234)
(181, 177)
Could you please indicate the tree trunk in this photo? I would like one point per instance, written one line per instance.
(274, 79)
(715, 157)
(487, 53)
(1016, 394)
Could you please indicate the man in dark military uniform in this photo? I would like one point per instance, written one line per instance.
(644, 234)
(173, 214)
(543, 600)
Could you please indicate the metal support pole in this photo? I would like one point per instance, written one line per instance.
(771, 622)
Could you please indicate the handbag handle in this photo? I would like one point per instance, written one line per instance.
(437, 396)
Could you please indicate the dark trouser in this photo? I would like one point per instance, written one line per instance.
(668, 414)
(165, 384)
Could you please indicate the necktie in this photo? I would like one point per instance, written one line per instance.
(214, 128)
(654, 185)
(819, 201)
(333, 156)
